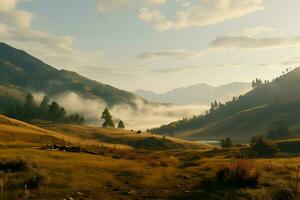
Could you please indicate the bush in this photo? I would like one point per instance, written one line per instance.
(226, 143)
(264, 148)
(15, 165)
(240, 173)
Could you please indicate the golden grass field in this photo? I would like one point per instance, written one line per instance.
(185, 172)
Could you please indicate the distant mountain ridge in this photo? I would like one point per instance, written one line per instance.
(251, 114)
(197, 94)
(21, 73)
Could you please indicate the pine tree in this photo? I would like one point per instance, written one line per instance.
(108, 122)
(121, 124)
(44, 107)
(29, 107)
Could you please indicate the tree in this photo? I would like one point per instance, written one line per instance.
(280, 131)
(226, 143)
(255, 139)
(121, 124)
(107, 118)
(29, 107)
(44, 106)
(54, 111)
(264, 148)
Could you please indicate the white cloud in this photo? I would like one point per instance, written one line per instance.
(143, 117)
(204, 13)
(155, 17)
(228, 43)
(251, 43)
(183, 54)
(156, 2)
(106, 6)
(253, 31)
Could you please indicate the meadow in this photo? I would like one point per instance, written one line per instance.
(125, 170)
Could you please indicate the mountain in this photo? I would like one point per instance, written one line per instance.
(254, 113)
(21, 73)
(197, 94)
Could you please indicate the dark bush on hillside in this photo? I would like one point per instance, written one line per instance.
(240, 173)
(226, 143)
(279, 131)
(15, 165)
(263, 148)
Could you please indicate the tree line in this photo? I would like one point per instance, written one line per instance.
(46, 110)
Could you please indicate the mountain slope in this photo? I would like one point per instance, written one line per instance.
(29, 74)
(197, 94)
(251, 114)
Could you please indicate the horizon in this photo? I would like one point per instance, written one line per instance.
(157, 45)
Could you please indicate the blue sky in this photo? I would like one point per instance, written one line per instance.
(158, 44)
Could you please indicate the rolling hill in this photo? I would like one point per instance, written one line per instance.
(22, 73)
(15, 132)
(197, 94)
(251, 114)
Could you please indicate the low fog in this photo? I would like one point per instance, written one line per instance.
(145, 116)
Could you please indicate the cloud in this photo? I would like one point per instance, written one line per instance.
(183, 54)
(106, 6)
(229, 43)
(253, 31)
(291, 61)
(251, 43)
(156, 2)
(142, 117)
(7, 5)
(204, 13)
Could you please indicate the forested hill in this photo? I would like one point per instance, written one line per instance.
(21, 73)
(251, 114)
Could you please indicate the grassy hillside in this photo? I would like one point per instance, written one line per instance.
(27, 172)
(246, 116)
(29, 74)
(16, 132)
(133, 139)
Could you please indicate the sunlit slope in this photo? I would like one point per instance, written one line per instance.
(17, 132)
(131, 138)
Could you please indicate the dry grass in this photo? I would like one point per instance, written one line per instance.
(120, 173)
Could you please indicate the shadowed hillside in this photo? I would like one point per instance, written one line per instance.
(28, 74)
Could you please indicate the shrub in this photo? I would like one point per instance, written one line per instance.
(15, 165)
(264, 148)
(240, 173)
(226, 143)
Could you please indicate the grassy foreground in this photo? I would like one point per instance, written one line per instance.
(188, 172)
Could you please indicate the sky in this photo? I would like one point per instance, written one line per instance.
(158, 44)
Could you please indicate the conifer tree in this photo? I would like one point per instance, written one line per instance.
(107, 118)
(121, 124)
